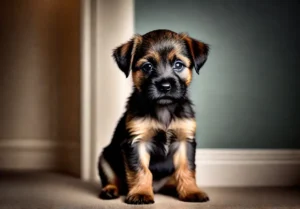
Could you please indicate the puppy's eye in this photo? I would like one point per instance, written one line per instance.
(147, 67)
(178, 66)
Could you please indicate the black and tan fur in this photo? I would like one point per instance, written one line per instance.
(153, 146)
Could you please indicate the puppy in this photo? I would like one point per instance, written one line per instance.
(153, 146)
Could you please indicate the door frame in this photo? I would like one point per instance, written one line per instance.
(105, 24)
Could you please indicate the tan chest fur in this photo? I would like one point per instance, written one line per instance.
(143, 129)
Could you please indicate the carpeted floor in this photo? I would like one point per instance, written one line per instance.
(56, 191)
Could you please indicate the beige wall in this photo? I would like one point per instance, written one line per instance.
(39, 85)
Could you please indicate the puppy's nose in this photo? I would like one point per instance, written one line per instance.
(164, 86)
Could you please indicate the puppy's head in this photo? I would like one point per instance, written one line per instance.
(162, 63)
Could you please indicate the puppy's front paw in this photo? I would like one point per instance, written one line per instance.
(194, 197)
(138, 199)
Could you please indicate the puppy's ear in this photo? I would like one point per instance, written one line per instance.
(198, 50)
(124, 54)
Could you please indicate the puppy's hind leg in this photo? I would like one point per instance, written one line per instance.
(109, 180)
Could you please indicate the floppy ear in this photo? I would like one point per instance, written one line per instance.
(199, 52)
(124, 54)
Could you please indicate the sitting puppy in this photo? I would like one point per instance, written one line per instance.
(153, 146)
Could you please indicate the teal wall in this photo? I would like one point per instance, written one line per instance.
(247, 94)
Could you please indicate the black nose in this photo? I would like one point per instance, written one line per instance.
(164, 86)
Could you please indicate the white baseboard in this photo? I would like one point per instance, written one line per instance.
(33, 154)
(215, 167)
(247, 167)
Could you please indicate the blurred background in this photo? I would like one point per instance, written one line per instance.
(40, 85)
(61, 94)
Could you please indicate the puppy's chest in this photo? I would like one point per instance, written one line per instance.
(161, 139)
(162, 144)
(149, 129)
